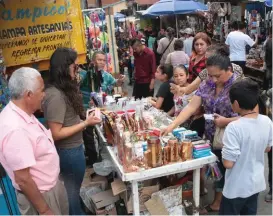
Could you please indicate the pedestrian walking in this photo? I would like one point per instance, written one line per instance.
(237, 41)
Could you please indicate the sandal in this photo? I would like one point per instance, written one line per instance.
(210, 210)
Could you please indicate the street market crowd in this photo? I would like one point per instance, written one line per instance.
(203, 88)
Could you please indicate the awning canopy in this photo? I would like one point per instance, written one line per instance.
(146, 2)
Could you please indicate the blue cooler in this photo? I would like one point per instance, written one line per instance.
(8, 201)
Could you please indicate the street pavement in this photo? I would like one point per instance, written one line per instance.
(264, 208)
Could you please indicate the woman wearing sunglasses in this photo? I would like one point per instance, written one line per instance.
(62, 108)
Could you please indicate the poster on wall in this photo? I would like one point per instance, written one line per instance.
(30, 30)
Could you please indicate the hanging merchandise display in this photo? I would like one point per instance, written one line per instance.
(218, 18)
(94, 31)
(96, 36)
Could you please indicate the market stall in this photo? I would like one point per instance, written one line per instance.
(255, 64)
(174, 7)
(131, 132)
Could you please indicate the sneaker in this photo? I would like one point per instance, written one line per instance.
(268, 197)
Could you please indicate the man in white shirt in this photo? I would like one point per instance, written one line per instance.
(188, 41)
(237, 41)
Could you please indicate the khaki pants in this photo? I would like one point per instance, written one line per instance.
(56, 199)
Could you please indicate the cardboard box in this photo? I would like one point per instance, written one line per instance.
(101, 180)
(113, 211)
(156, 207)
(144, 194)
(87, 178)
(118, 187)
(103, 199)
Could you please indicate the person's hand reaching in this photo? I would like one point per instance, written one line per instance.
(220, 121)
(92, 120)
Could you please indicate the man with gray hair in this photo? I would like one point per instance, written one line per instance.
(27, 150)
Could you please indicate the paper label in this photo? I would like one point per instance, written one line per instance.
(209, 117)
(138, 149)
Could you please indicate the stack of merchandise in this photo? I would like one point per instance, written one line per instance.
(183, 133)
(133, 128)
(201, 149)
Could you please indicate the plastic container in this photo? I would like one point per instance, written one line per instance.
(154, 146)
(186, 148)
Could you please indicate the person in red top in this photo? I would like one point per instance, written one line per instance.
(200, 44)
(145, 67)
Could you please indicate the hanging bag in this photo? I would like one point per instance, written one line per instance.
(166, 48)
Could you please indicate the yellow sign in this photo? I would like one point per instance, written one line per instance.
(30, 30)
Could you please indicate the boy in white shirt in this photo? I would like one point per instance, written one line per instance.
(245, 142)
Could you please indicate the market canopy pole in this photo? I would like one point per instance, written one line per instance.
(176, 23)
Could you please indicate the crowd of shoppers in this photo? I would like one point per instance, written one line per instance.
(47, 167)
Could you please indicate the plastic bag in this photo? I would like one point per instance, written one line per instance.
(104, 168)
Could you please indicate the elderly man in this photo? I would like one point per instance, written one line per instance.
(27, 150)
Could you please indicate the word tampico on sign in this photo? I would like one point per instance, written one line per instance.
(30, 30)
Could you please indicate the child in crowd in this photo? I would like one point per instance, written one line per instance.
(197, 122)
(164, 100)
(245, 142)
(180, 76)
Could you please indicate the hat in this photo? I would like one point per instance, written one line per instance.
(182, 31)
(188, 31)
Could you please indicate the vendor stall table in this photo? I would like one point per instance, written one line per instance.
(170, 169)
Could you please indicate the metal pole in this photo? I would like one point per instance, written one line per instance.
(99, 3)
(176, 25)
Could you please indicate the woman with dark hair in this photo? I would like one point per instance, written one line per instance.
(164, 100)
(62, 108)
(200, 44)
(178, 57)
(213, 94)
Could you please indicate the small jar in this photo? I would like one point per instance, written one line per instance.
(173, 144)
(154, 146)
(186, 149)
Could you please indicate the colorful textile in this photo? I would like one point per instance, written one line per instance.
(195, 69)
(220, 104)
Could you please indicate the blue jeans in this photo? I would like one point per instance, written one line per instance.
(72, 164)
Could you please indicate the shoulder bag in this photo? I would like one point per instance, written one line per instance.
(166, 48)
(218, 138)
